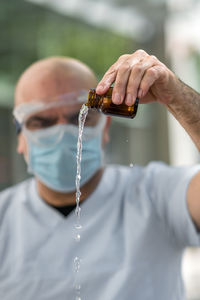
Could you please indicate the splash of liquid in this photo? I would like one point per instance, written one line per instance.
(82, 117)
(77, 260)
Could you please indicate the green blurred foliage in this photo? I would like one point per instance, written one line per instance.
(97, 48)
(29, 32)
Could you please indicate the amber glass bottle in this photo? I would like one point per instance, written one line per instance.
(104, 104)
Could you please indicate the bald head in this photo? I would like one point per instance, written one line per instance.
(51, 77)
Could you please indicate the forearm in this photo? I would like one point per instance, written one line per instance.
(186, 109)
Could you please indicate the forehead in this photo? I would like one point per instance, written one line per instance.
(47, 86)
(46, 83)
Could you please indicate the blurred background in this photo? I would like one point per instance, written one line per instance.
(97, 32)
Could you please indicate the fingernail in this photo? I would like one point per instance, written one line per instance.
(140, 93)
(116, 98)
(100, 89)
(129, 99)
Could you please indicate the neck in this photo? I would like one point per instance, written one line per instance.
(60, 199)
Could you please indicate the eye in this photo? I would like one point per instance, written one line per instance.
(73, 119)
(35, 123)
(91, 119)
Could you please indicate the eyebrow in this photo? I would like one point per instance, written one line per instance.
(72, 116)
(38, 118)
(90, 116)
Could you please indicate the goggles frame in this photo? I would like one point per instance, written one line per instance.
(44, 137)
(24, 110)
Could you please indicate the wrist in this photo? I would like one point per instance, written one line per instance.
(175, 90)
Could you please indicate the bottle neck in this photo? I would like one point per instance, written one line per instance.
(94, 101)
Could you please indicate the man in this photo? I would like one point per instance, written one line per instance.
(136, 222)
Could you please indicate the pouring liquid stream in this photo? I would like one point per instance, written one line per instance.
(77, 260)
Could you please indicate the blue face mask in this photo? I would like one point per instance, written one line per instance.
(53, 161)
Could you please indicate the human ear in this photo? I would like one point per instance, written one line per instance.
(22, 146)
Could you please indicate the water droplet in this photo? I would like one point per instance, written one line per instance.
(127, 140)
(78, 226)
(78, 212)
(78, 298)
(77, 287)
(131, 165)
(78, 237)
(78, 195)
(77, 264)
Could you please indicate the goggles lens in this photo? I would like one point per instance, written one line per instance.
(62, 115)
(51, 136)
(64, 109)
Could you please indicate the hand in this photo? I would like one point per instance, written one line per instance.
(139, 75)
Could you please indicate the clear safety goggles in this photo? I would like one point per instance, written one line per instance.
(40, 114)
(42, 121)
(52, 136)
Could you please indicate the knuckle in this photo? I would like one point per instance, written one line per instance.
(125, 66)
(112, 68)
(124, 56)
(162, 72)
(162, 68)
(151, 72)
(119, 86)
(132, 88)
(140, 52)
(154, 58)
(130, 91)
(137, 67)
(111, 71)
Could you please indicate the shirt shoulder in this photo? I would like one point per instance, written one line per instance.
(123, 184)
(135, 174)
(123, 173)
(155, 180)
(13, 194)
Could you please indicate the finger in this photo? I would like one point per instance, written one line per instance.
(134, 83)
(122, 77)
(121, 80)
(110, 76)
(149, 79)
(106, 81)
(133, 87)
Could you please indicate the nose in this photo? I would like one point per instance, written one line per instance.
(62, 119)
